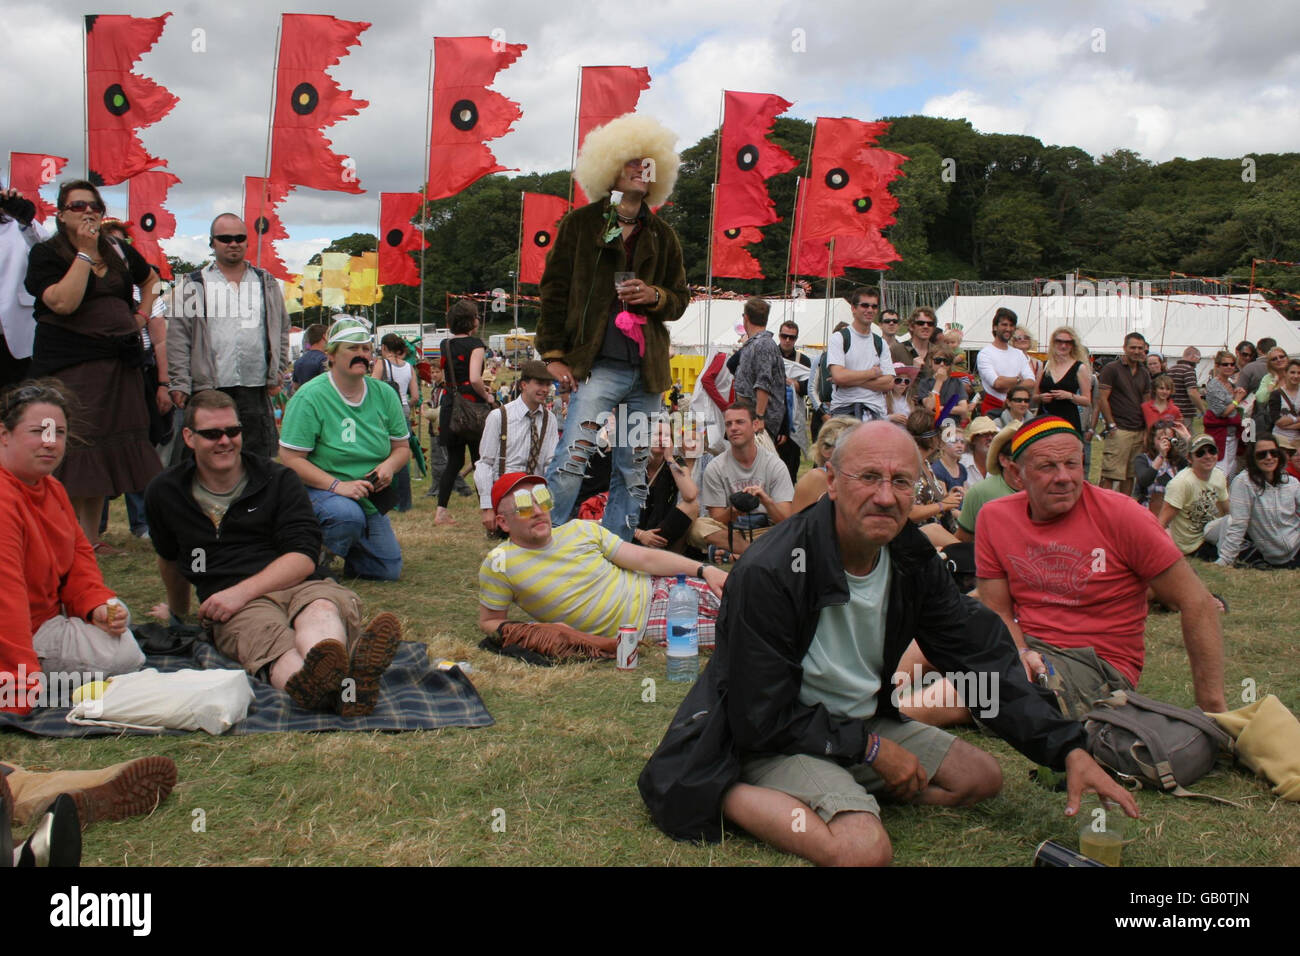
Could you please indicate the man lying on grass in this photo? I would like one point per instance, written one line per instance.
(792, 731)
(242, 531)
(581, 574)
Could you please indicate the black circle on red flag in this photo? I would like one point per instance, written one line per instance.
(115, 100)
(394, 237)
(747, 156)
(837, 178)
(862, 204)
(148, 223)
(304, 98)
(542, 238)
(464, 115)
(731, 233)
(261, 225)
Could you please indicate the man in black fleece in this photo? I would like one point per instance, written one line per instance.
(241, 529)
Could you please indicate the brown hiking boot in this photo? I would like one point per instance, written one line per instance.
(316, 686)
(375, 650)
(114, 793)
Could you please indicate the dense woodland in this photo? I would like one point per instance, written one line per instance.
(1010, 208)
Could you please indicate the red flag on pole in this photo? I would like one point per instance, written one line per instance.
(607, 93)
(28, 172)
(731, 258)
(872, 251)
(542, 214)
(119, 102)
(146, 194)
(466, 114)
(307, 100)
(398, 237)
(748, 160)
(262, 219)
(846, 192)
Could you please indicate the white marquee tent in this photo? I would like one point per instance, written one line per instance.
(1170, 323)
(689, 332)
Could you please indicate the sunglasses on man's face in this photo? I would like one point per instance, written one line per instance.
(1205, 450)
(868, 305)
(214, 434)
(530, 500)
(84, 205)
(788, 338)
(230, 240)
(923, 325)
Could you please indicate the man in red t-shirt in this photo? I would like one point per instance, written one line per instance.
(1067, 565)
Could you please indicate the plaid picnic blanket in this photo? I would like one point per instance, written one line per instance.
(414, 695)
(656, 625)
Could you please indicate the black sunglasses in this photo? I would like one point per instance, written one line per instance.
(891, 319)
(940, 361)
(923, 324)
(81, 205)
(214, 434)
(790, 337)
(1205, 450)
(231, 240)
(1267, 453)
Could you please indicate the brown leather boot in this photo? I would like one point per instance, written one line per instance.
(114, 793)
(374, 651)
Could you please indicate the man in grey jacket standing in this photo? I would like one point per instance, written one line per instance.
(229, 331)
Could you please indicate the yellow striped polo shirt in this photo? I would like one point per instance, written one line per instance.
(570, 581)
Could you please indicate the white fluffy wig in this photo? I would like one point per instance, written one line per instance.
(607, 148)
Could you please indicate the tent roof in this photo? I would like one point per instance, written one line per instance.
(723, 315)
(1170, 323)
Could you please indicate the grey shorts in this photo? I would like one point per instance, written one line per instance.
(829, 787)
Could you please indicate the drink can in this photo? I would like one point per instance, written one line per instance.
(1051, 853)
(627, 648)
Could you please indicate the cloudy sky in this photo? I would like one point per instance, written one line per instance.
(1163, 77)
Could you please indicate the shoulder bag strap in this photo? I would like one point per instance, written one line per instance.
(501, 460)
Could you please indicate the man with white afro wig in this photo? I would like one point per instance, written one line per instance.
(606, 342)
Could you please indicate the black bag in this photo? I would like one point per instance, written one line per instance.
(467, 417)
(1146, 742)
(692, 768)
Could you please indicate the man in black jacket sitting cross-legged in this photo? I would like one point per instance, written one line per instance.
(241, 529)
(793, 730)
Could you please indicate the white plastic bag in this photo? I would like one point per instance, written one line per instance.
(211, 700)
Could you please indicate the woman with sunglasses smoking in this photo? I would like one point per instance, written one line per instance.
(1263, 510)
(88, 336)
(1065, 379)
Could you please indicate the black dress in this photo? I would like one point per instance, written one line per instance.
(1060, 407)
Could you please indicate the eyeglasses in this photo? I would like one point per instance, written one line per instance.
(1205, 450)
(214, 434)
(868, 305)
(1227, 365)
(901, 380)
(531, 500)
(84, 205)
(1267, 453)
(1063, 341)
(923, 325)
(889, 320)
(230, 240)
(902, 486)
(1018, 401)
(788, 338)
(940, 361)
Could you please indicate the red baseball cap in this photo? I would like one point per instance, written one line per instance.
(509, 482)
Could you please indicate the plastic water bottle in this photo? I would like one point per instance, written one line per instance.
(683, 632)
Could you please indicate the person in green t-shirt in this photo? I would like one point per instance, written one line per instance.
(345, 436)
(997, 484)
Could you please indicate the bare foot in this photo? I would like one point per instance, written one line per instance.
(442, 517)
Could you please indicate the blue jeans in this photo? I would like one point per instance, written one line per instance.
(859, 410)
(366, 542)
(611, 387)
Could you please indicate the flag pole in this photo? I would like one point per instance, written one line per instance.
(519, 256)
(424, 187)
(713, 223)
(85, 108)
(830, 280)
(796, 234)
(573, 150)
(266, 165)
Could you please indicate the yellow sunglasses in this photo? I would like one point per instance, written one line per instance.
(527, 499)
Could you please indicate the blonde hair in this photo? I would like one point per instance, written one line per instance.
(607, 148)
(1021, 330)
(1077, 351)
(831, 431)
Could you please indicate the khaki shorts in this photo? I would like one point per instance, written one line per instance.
(1119, 449)
(262, 632)
(701, 528)
(1084, 678)
(829, 787)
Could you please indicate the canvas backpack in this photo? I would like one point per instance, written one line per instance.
(823, 372)
(1148, 743)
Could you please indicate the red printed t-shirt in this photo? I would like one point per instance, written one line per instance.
(1079, 580)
